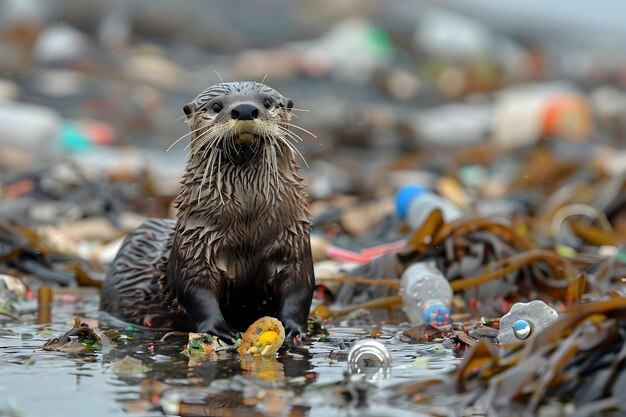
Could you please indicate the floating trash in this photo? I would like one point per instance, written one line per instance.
(264, 337)
(130, 367)
(82, 338)
(205, 344)
(370, 358)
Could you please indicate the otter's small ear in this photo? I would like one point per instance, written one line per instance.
(188, 109)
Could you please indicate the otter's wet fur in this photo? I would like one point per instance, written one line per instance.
(239, 248)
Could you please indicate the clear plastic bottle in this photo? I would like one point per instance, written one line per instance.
(414, 204)
(426, 294)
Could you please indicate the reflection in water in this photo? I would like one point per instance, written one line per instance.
(267, 369)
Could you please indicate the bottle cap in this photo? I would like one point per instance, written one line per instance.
(437, 315)
(404, 196)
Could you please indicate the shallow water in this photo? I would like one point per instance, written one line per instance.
(307, 380)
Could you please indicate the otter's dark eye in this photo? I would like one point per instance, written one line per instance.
(267, 103)
(217, 107)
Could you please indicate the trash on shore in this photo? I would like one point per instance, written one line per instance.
(557, 364)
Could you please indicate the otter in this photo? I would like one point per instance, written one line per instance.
(239, 248)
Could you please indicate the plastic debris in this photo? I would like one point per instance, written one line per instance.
(524, 114)
(81, 338)
(30, 137)
(205, 344)
(525, 319)
(415, 203)
(130, 367)
(14, 295)
(369, 45)
(369, 358)
(263, 338)
(426, 294)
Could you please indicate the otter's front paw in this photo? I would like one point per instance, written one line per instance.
(294, 332)
(217, 328)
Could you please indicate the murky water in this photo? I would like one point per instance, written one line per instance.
(145, 377)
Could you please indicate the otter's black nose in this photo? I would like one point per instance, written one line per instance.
(244, 112)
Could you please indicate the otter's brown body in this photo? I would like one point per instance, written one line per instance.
(239, 248)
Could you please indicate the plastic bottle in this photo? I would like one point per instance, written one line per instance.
(426, 294)
(414, 204)
(30, 135)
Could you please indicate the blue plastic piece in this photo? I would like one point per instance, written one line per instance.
(437, 315)
(73, 138)
(404, 196)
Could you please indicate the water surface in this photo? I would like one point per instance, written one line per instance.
(143, 376)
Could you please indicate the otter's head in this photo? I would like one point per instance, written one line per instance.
(240, 119)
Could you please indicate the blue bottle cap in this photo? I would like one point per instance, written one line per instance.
(437, 315)
(404, 196)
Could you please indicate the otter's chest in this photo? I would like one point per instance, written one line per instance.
(255, 212)
(255, 229)
(246, 218)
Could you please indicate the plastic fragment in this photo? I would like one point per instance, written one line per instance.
(525, 319)
(370, 358)
(263, 338)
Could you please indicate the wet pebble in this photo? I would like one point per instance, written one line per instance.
(483, 332)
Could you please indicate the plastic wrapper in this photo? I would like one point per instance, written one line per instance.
(263, 338)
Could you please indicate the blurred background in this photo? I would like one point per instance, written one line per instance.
(395, 92)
